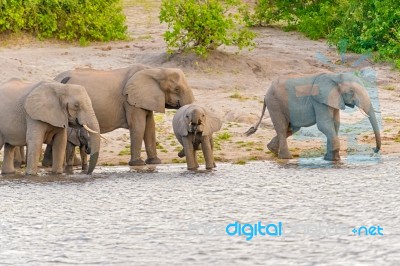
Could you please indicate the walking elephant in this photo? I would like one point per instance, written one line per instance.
(35, 113)
(295, 102)
(193, 126)
(127, 97)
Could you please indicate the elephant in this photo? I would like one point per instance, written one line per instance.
(127, 97)
(193, 126)
(76, 137)
(35, 113)
(302, 101)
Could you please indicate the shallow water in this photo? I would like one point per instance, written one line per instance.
(168, 215)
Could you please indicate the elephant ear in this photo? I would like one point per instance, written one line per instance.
(181, 122)
(327, 91)
(44, 103)
(213, 124)
(144, 91)
(72, 136)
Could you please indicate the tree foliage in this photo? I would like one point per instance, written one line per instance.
(200, 26)
(84, 20)
(356, 25)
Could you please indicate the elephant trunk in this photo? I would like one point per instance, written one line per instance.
(94, 142)
(374, 123)
(364, 103)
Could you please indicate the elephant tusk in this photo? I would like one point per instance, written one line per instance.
(104, 138)
(363, 112)
(90, 130)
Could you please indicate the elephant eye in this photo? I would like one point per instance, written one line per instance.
(76, 105)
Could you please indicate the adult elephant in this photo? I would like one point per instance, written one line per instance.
(295, 102)
(35, 113)
(127, 97)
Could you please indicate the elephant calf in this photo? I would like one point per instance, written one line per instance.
(193, 126)
(76, 137)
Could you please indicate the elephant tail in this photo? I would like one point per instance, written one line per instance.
(254, 128)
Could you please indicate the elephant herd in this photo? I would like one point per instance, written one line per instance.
(79, 105)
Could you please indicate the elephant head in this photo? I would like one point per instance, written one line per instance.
(195, 119)
(155, 89)
(79, 137)
(58, 104)
(339, 90)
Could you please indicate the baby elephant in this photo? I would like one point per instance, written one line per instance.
(194, 125)
(76, 137)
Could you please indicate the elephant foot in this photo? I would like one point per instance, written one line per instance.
(285, 156)
(193, 168)
(155, 160)
(332, 156)
(69, 170)
(17, 165)
(84, 167)
(7, 172)
(137, 162)
(273, 148)
(211, 166)
(181, 154)
(31, 172)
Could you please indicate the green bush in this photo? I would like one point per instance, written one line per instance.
(200, 26)
(356, 25)
(83, 20)
(370, 25)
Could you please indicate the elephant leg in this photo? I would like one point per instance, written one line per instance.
(18, 157)
(59, 148)
(34, 138)
(82, 151)
(150, 142)
(137, 122)
(190, 153)
(273, 145)
(336, 120)
(328, 127)
(281, 125)
(23, 155)
(70, 151)
(48, 156)
(206, 147)
(8, 163)
(181, 154)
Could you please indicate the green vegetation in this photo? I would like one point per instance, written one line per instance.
(225, 135)
(176, 160)
(362, 26)
(241, 162)
(236, 95)
(90, 20)
(201, 26)
(125, 151)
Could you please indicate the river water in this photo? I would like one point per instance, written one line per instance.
(168, 215)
